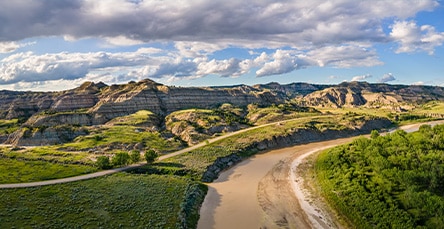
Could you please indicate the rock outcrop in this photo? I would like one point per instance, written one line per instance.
(194, 126)
(45, 136)
(97, 103)
(355, 94)
(160, 99)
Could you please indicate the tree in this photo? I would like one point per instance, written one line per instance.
(135, 156)
(120, 158)
(150, 156)
(374, 134)
(103, 162)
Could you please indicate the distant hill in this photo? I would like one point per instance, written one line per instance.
(100, 103)
(52, 117)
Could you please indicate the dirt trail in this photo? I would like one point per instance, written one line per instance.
(111, 171)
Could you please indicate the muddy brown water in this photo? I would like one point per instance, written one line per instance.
(257, 193)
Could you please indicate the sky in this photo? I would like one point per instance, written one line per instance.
(48, 45)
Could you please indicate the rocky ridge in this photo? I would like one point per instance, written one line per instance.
(97, 103)
(353, 94)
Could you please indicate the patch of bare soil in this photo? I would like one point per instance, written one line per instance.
(277, 200)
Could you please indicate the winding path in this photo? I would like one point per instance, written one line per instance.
(111, 171)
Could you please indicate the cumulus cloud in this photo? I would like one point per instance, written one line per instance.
(361, 77)
(295, 23)
(387, 78)
(344, 56)
(179, 69)
(296, 35)
(29, 67)
(8, 47)
(283, 62)
(412, 37)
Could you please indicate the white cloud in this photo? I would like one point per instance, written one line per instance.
(412, 38)
(344, 56)
(224, 68)
(387, 78)
(6, 47)
(361, 77)
(28, 67)
(197, 49)
(418, 83)
(121, 41)
(296, 34)
(284, 61)
(278, 24)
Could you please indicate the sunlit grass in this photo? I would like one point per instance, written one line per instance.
(117, 201)
(124, 135)
(19, 171)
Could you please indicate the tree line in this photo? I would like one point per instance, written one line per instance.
(392, 181)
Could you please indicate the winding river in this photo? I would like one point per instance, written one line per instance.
(265, 191)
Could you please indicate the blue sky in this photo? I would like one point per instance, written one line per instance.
(58, 44)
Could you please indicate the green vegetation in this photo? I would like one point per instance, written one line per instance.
(393, 181)
(19, 171)
(47, 154)
(123, 135)
(120, 159)
(197, 161)
(8, 126)
(142, 117)
(150, 156)
(261, 115)
(432, 107)
(117, 201)
(135, 156)
(430, 111)
(103, 162)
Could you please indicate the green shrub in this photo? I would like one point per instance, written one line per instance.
(120, 158)
(150, 156)
(135, 156)
(103, 162)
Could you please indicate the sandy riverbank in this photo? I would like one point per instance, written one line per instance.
(267, 191)
(258, 192)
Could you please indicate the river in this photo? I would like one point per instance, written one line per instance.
(261, 192)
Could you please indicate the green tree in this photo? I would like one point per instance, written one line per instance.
(150, 156)
(374, 134)
(135, 156)
(120, 158)
(103, 162)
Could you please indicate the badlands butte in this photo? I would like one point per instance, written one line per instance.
(61, 116)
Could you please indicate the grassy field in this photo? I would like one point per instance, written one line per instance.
(140, 118)
(432, 107)
(123, 135)
(263, 115)
(117, 201)
(19, 171)
(8, 126)
(416, 115)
